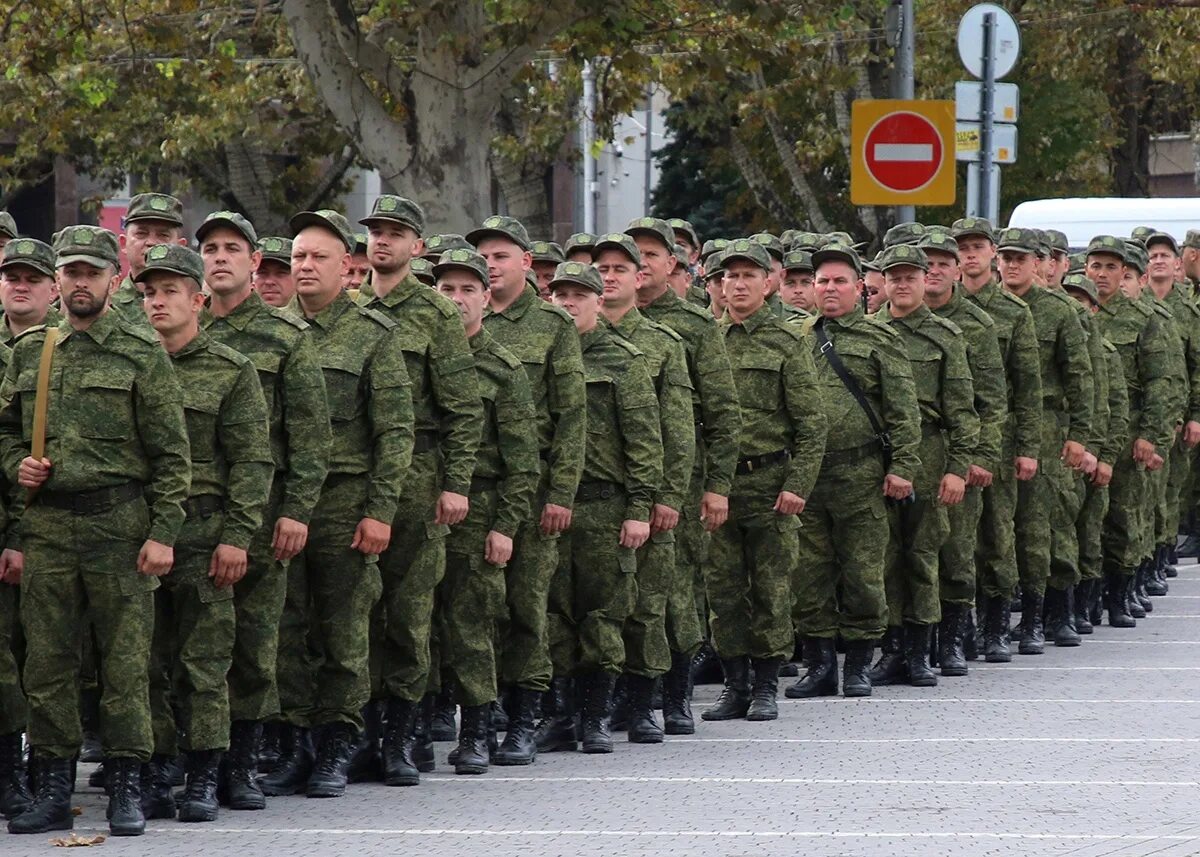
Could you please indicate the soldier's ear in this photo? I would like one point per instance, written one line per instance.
(255, 260)
(419, 247)
(181, 241)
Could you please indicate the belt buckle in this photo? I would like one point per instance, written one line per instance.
(749, 463)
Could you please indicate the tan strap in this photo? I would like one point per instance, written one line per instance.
(42, 403)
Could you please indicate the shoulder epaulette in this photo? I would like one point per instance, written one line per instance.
(662, 328)
(291, 318)
(622, 342)
(1010, 296)
(1142, 308)
(222, 350)
(377, 317)
(146, 333)
(29, 331)
(440, 302)
(505, 356)
(947, 324)
(554, 309)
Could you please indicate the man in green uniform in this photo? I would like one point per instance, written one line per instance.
(8, 230)
(774, 248)
(294, 389)
(371, 414)
(273, 276)
(752, 558)
(28, 289)
(194, 624)
(579, 247)
(152, 218)
(870, 406)
(714, 284)
(360, 265)
(647, 649)
(547, 256)
(542, 336)
(796, 292)
(99, 531)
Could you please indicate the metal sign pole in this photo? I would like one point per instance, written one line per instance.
(905, 80)
(987, 205)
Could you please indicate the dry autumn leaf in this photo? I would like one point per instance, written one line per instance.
(77, 841)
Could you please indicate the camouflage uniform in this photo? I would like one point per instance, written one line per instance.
(126, 301)
(12, 698)
(7, 338)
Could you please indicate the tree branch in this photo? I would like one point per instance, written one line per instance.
(330, 179)
(499, 68)
(800, 185)
(760, 186)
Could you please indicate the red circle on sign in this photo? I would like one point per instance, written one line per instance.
(903, 151)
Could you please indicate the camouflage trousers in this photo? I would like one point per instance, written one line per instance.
(1179, 486)
(1089, 527)
(918, 530)
(1039, 510)
(956, 559)
(592, 591)
(524, 651)
(193, 646)
(687, 602)
(1066, 505)
(1164, 519)
(842, 547)
(296, 663)
(12, 698)
(995, 548)
(647, 652)
(1122, 539)
(78, 566)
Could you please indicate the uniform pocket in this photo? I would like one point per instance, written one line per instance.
(106, 403)
(202, 408)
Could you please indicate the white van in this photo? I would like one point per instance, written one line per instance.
(1082, 219)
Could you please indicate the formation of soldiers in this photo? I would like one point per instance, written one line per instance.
(276, 506)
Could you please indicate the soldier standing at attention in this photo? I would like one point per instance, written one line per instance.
(27, 289)
(273, 276)
(152, 218)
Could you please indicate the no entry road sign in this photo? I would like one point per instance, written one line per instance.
(902, 152)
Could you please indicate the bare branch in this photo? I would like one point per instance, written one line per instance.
(333, 175)
(759, 184)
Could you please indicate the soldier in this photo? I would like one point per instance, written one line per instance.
(579, 247)
(502, 485)
(714, 284)
(680, 278)
(774, 248)
(422, 269)
(298, 423)
(647, 649)
(542, 336)
(371, 414)
(547, 256)
(687, 237)
(360, 265)
(27, 267)
(273, 276)
(1190, 258)
(751, 560)
(231, 479)
(435, 246)
(27, 289)
(1060, 257)
(99, 532)
(874, 286)
(152, 218)
(797, 289)
(434, 496)
(870, 406)
(8, 231)
(909, 232)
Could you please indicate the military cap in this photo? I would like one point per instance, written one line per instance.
(965, 226)
(547, 251)
(904, 233)
(749, 249)
(91, 244)
(714, 265)
(397, 209)
(681, 256)
(1016, 238)
(1058, 241)
(499, 225)
(466, 260)
(155, 206)
(436, 245)
(903, 254)
(654, 227)
(1078, 263)
(772, 244)
(360, 243)
(1161, 238)
(328, 219)
(809, 241)
(939, 238)
(579, 241)
(1192, 239)
(872, 264)
(231, 220)
(842, 238)
(422, 269)
(531, 278)
(1136, 256)
(713, 245)
(689, 232)
(174, 259)
(1109, 244)
(1080, 283)
(797, 260)
(577, 274)
(618, 241)
(8, 226)
(1041, 244)
(837, 252)
(274, 247)
(1141, 233)
(30, 252)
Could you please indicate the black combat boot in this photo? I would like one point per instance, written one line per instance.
(995, 631)
(763, 702)
(1143, 574)
(856, 679)
(1095, 606)
(399, 767)
(1060, 617)
(294, 765)
(706, 666)
(242, 790)
(519, 746)
(916, 655)
(472, 755)
(423, 753)
(620, 706)
(1191, 545)
(556, 730)
(1081, 606)
(158, 800)
(734, 700)
(1033, 637)
(597, 711)
(677, 697)
(328, 778)
(952, 632)
(15, 796)
(509, 700)
(442, 727)
(366, 765)
(90, 750)
(200, 793)
(820, 677)
(972, 635)
(1156, 575)
(891, 667)
(125, 816)
(97, 779)
(51, 806)
(639, 695)
(1116, 600)
(268, 747)
(1171, 569)
(1133, 604)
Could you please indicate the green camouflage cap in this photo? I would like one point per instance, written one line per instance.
(30, 252)
(965, 226)
(904, 233)
(436, 245)
(174, 259)
(1078, 263)
(682, 256)
(1058, 241)
(1109, 244)
(939, 238)
(422, 269)
(617, 241)
(838, 252)
(714, 265)
(713, 245)
(809, 241)
(360, 243)
(1042, 243)
(1141, 233)
(531, 278)
(328, 219)
(579, 241)
(397, 209)
(231, 220)
(1136, 256)
(1192, 239)
(277, 248)
(750, 249)
(903, 254)
(577, 274)
(91, 244)
(1016, 238)
(1161, 238)
(872, 264)
(547, 251)
(155, 206)
(689, 232)
(499, 225)
(8, 226)
(1080, 283)
(786, 237)
(655, 227)
(772, 244)
(797, 260)
(466, 260)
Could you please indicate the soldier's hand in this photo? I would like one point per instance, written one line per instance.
(1155, 463)
(371, 537)
(634, 534)
(555, 519)
(1191, 433)
(663, 519)
(227, 566)
(977, 477)
(1143, 451)
(33, 472)
(451, 508)
(1103, 475)
(498, 549)
(714, 511)
(788, 503)
(12, 566)
(155, 558)
(1072, 454)
(952, 490)
(290, 538)
(1088, 467)
(1026, 468)
(896, 487)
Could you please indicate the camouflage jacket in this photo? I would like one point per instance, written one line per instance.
(1187, 325)
(1137, 332)
(126, 301)
(53, 317)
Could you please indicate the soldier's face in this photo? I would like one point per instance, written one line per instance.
(657, 262)
(621, 277)
(797, 290)
(1062, 264)
(838, 288)
(1083, 299)
(584, 256)
(1017, 269)
(1106, 271)
(975, 255)
(545, 273)
(775, 277)
(85, 288)
(26, 293)
(905, 286)
(172, 302)
(693, 252)
(942, 274)
(1191, 262)
(468, 294)
(1131, 283)
(140, 235)
(507, 264)
(229, 261)
(4, 239)
(715, 286)
(745, 287)
(581, 303)
(319, 264)
(390, 246)
(1162, 262)
(273, 282)
(359, 269)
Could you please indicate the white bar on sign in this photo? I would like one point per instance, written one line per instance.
(903, 152)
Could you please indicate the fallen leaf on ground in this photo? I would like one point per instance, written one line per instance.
(77, 841)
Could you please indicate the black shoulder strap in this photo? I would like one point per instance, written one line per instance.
(839, 368)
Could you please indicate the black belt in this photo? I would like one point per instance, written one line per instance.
(90, 502)
(853, 455)
(758, 462)
(598, 491)
(699, 433)
(479, 484)
(930, 428)
(425, 441)
(203, 506)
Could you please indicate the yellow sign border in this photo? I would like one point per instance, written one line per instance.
(864, 189)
